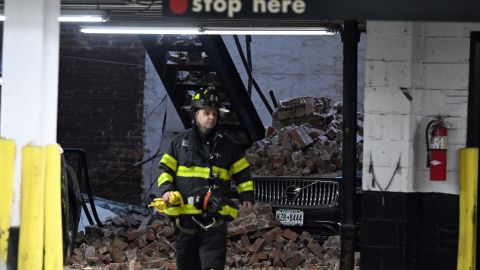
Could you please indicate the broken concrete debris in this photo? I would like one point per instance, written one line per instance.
(256, 241)
(305, 139)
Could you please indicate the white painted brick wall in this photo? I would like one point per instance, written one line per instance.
(434, 29)
(377, 73)
(371, 130)
(445, 75)
(387, 127)
(393, 47)
(398, 73)
(447, 49)
(384, 100)
(391, 28)
(429, 102)
(431, 61)
(385, 153)
(458, 136)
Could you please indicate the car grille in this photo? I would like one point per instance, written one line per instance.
(284, 191)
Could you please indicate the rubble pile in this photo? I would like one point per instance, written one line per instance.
(256, 241)
(305, 139)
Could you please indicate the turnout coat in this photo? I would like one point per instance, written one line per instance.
(186, 167)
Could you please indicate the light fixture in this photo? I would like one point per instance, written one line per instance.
(205, 30)
(297, 31)
(81, 18)
(141, 30)
(84, 16)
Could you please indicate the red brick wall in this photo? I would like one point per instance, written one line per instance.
(101, 106)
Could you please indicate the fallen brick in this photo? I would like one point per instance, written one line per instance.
(257, 245)
(290, 235)
(119, 244)
(150, 235)
(315, 248)
(294, 261)
(245, 242)
(117, 256)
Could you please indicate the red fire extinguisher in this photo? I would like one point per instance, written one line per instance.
(437, 149)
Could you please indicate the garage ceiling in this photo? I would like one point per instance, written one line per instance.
(119, 10)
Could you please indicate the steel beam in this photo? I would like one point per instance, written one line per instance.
(350, 39)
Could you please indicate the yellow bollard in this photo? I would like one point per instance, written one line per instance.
(32, 216)
(468, 177)
(53, 259)
(7, 164)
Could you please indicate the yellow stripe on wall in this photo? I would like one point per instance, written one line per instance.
(468, 177)
(31, 239)
(53, 259)
(7, 164)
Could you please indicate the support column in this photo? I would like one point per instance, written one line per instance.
(29, 93)
(350, 39)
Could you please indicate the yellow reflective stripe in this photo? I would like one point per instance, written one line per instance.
(174, 211)
(239, 166)
(192, 210)
(202, 172)
(187, 209)
(170, 161)
(245, 186)
(223, 173)
(228, 211)
(164, 177)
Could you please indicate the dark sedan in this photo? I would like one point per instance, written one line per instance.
(310, 203)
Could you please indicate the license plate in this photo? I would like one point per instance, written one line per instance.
(289, 217)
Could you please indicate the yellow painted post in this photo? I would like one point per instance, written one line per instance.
(32, 216)
(7, 164)
(53, 210)
(468, 177)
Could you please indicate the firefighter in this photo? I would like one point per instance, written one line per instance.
(195, 183)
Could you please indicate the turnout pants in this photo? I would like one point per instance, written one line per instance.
(203, 250)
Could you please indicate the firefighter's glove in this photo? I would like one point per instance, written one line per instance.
(159, 204)
(175, 199)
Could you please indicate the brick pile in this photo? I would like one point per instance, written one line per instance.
(256, 241)
(305, 139)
